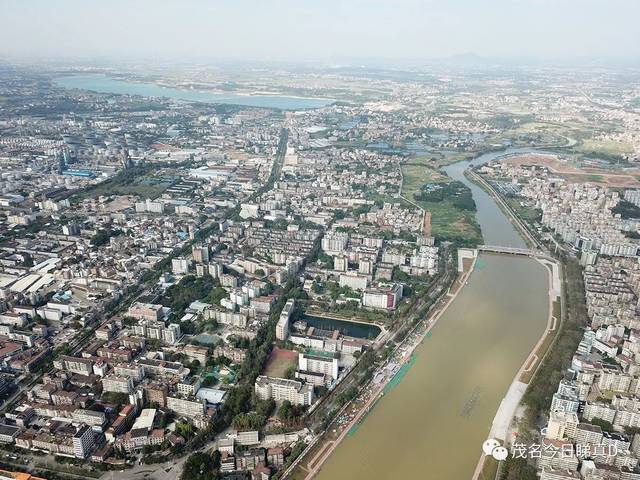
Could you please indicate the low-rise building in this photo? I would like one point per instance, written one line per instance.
(186, 406)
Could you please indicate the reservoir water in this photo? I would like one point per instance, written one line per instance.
(345, 327)
(432, 424)
(104, 84)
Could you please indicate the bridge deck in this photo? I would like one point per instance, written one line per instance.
(510, 250)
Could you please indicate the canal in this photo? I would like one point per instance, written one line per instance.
(432, 424)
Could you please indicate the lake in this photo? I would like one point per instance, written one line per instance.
(105, 84)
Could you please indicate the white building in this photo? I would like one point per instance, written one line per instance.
(145, 311)
(354, 281)
(180, 266)
(114, 383)
(149, 206)
(185, 406)
(281, 389)
(562, 425)
(384, 297)
(319, 362)
(335, 242)
(282, 327)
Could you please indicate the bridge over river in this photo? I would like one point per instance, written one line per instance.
(512, 250)
(431, 425)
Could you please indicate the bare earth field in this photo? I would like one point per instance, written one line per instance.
(627, 178)
(279, 362)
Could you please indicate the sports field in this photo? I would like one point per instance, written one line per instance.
(280, 361)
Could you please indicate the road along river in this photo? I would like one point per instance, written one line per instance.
(431, 425)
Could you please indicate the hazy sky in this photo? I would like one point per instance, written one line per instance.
(327, 30)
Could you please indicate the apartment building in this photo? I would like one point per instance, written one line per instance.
(319, 362)
(281, 389)
(282, 327)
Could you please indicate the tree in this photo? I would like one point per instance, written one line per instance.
(201, 466)
(626, 210)
(166, 418)
(339, 214)
(190, 288)
(249, 421)
(285, 410)
(606, 426)
(27, 259)
(346, 396)
(217, 294)
(317, 287)
(116, 398)
(102, 237)
(399, 276)
(238, 400)
(290, 373)
(518, 469)
(631, 431)
(325, 260)
(265, 407)
(188, 327)
(185, 430)
(291, 414)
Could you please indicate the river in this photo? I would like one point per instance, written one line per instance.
(432, 424)
(105, 84)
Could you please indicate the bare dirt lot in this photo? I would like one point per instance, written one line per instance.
(280, 361)
(626, 178)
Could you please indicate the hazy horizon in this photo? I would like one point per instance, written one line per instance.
(306, 30)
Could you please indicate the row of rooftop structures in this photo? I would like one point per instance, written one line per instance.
(594, 416)
(99, 399)
(595, 413)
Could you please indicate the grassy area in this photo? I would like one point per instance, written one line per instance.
(535, 127)
(538, 133)
(489, 469)
(610, 148)
(138, 181)
(528, 214)
(448, 222)
(517, 469)
(583, 177)
(417, 172)
(548, 341)
(145, 187)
